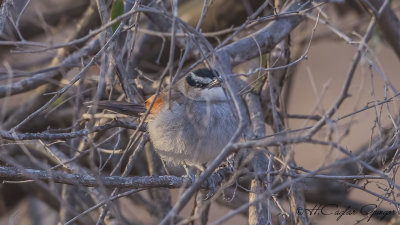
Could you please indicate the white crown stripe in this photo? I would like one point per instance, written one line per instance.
(203, 80)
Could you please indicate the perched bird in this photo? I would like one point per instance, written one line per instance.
(192, 124)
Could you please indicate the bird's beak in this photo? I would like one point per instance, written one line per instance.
(215, 83)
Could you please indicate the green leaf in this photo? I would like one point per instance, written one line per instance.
(264, 60)
(58, 101)
(117, 9)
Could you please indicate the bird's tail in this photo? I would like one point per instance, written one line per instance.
(126, 108)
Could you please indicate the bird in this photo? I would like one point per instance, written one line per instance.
(191, 122)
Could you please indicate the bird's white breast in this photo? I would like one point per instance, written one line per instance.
(193, 134)
(213, 94)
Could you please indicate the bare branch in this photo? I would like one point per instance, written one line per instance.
(65, 136)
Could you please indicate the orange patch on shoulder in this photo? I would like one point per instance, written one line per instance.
(158, 103)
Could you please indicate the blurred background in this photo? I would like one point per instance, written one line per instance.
(311, 87)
